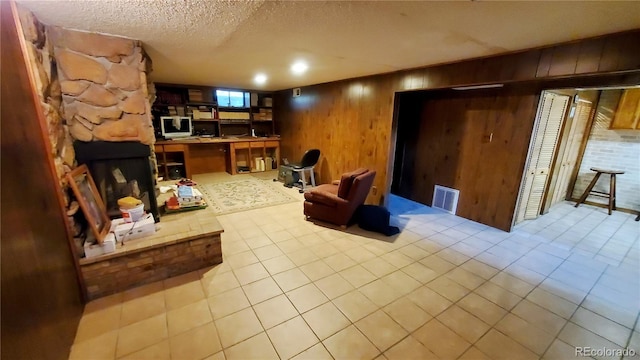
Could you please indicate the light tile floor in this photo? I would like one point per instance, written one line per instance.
(445, 287)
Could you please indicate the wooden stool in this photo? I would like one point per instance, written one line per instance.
(611, 195)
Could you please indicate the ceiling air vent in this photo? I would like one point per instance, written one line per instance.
(445, 198)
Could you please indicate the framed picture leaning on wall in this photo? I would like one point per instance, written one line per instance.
(90, 202)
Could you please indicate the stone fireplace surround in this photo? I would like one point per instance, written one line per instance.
(92, 87)
(103, 81)
(95, 88)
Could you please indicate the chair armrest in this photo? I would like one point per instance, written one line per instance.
(335, 182)
(325, 198)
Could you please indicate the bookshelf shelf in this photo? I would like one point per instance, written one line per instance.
(210, 119)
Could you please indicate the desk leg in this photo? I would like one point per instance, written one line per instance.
(588, 189)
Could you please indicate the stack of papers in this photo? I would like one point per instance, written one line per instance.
(189, 196)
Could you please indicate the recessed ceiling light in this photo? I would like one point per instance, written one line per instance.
(299, 67)
(260, 79)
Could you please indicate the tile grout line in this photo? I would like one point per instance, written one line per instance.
(396, 249)
(576, 310)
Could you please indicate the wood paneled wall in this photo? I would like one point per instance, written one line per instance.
(348, 122)
(41, 302)
(473, 141)
(351, 121)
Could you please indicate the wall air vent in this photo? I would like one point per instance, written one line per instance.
(445, 198)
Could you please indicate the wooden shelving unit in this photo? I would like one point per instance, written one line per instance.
(248, 151)
(172, 155)
(209, 117)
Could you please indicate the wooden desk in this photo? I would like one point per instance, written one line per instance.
(204, 155)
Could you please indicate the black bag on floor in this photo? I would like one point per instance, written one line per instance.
(375, 218)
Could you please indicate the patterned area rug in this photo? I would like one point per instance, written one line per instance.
(240, 195)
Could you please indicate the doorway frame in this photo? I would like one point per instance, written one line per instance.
(603, 80)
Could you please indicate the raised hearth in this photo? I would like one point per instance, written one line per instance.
(183, 242)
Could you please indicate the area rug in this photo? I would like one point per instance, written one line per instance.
(240, 195)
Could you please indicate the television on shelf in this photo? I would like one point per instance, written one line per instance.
(173, 127)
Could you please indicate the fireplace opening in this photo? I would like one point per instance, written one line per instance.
(120, 169)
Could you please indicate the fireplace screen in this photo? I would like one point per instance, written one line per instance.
(120, 169)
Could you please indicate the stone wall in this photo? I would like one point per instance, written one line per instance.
(47, 87)
(611, 149)
(103, 80)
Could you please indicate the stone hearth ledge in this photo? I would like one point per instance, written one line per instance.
(183, 242)
(173, 228)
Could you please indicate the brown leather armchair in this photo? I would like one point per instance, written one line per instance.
(336, 203)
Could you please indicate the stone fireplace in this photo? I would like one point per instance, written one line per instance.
(92, 88)
(120, 169)
(105, 108)
(95, 97)
(104, 87)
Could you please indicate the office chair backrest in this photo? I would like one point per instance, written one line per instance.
(310, 158)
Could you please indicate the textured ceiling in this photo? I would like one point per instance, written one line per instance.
(225, 43)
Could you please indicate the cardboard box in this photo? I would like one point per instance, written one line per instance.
(107, 246)
(129, 231)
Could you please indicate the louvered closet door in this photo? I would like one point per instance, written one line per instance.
(570, 156)
(551, 113)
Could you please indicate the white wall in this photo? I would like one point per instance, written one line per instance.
(611, 149)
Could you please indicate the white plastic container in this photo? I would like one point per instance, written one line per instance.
(134, 214)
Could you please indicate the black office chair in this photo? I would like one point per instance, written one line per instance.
(308, 162)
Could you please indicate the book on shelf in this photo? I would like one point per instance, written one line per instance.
(195, 95)
(234, 115)
(203, 115)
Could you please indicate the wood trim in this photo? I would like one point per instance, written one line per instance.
(589, 56)
(44, 135)
(583, 147)
(391, 157)
(41, 291)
